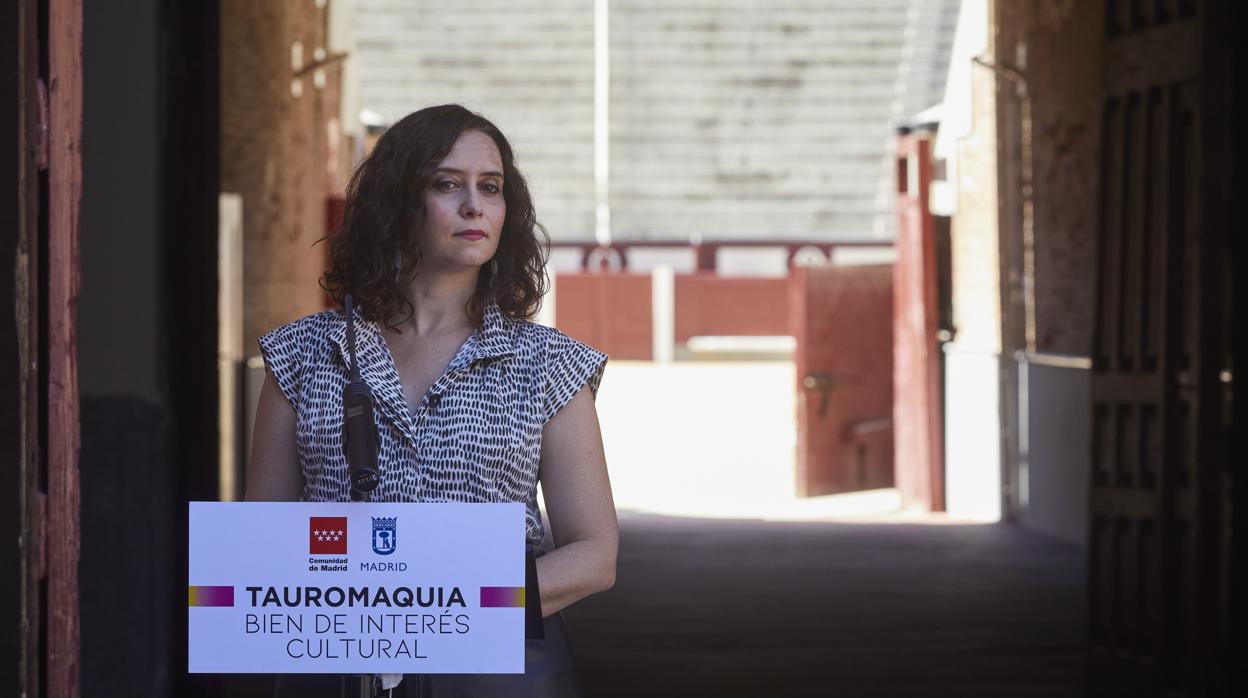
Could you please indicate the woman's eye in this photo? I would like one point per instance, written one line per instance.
(446, 184)
(491, 187)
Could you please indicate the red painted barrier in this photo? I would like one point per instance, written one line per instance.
(709, 305)
(610, 312)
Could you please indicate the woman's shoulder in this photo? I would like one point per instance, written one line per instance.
(534, 338)
(565, 364)
(544, 344)
(292, 349)
(304, 333)
(313, 322)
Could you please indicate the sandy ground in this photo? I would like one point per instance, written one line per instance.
(716, 439)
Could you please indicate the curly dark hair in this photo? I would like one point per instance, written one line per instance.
(386, 202)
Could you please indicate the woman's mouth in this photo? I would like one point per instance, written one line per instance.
(471, 234)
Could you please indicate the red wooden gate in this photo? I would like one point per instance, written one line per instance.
(842, 320)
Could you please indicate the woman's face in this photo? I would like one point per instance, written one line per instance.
(464, 207)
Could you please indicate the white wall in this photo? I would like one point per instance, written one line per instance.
(972, 434)
(1058, 456)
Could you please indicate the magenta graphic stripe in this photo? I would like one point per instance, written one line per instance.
(211, 596)
(502, 597)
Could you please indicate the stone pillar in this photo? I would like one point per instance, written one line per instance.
(279, 152)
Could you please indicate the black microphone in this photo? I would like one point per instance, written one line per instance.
(359, 431)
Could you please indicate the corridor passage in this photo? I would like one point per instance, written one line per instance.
(740, 607)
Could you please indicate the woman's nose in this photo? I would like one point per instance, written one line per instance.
(472, 203)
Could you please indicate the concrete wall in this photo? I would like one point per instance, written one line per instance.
(527, 65)
(728, 120)
(748, 120)
(120, 298)
(126, 473)
(927, 45)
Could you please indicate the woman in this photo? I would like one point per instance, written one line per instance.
(440, 251)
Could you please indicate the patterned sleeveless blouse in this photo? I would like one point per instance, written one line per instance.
(477, 433)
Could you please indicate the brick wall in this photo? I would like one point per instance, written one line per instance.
(275, 153)
(1059, 45)
(974, 238)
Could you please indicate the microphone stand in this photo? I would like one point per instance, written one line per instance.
(359, 441)
(359, 431)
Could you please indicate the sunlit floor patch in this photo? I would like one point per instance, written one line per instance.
(716, 440)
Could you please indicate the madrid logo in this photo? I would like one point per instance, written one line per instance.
(384, 534)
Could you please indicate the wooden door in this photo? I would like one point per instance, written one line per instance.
(918, 386)
(25, 158)
(1157, 584)
(44, 66)
(842, 320)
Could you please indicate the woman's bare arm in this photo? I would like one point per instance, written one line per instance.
(577, 491)
(273, 473)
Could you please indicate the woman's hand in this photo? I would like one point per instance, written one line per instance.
(273, 473)
(573, 473)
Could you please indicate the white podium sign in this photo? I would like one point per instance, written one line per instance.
(352, 588)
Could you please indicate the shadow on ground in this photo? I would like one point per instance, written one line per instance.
(749, 608)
